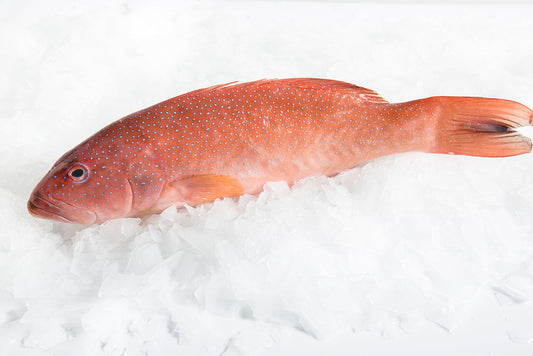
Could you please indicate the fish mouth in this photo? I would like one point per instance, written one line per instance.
(45, 209)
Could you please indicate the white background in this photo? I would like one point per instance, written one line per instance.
(408, 254)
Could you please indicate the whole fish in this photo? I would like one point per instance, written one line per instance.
(231, 139)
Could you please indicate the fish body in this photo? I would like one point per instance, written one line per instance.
(231, 139)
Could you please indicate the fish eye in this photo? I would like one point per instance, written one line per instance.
(78, 173)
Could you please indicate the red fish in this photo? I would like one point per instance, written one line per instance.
(231, 139)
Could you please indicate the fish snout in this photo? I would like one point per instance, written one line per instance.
(43, 208)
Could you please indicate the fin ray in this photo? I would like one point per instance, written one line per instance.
(205, 188)
(482, 127)
(325, 85)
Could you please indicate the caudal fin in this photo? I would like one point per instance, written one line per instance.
(482, 127)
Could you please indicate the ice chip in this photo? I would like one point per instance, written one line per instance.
(143, 259)
(250, 341)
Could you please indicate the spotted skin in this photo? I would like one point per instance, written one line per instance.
(227, 140)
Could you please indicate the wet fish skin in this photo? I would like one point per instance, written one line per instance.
(231, 139)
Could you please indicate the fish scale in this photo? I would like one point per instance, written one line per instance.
(231, 139)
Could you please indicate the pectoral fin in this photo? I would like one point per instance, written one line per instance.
(205, 188)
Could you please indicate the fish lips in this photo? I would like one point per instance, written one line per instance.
(43, 208)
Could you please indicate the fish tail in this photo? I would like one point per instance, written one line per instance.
(481, 127)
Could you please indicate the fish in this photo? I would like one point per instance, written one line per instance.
(231, 139)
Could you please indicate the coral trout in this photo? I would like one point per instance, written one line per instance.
(231, 139)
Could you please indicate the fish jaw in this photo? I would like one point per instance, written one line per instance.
(40, 207)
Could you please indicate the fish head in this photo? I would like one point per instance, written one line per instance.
(85, 189)
(79, 191)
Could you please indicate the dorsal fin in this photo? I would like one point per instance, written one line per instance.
(312, 83)
(211, 88)
(361, 93)
(370, 96)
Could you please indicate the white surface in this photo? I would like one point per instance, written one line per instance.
(407, 254)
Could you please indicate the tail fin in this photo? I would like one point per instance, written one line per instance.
(482, 127)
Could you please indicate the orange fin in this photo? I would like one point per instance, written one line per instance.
(324, 85)
(205, 188)
(365, 94)
(210, 89)
(482, 127)
(371, 96)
